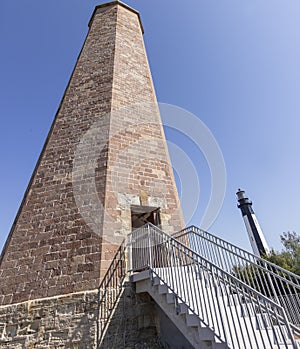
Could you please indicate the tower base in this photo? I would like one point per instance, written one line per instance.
(72, 321)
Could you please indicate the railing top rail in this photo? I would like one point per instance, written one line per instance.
(211, 264)
(194, 230)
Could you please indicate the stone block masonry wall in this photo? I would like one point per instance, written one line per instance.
(57, 322)
(51, 249)
(62, 242)
(134, 324)
(70, 322)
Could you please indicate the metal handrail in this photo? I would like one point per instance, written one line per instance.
(224, 243)
(110, 290)
(238, 314)
(269, 279)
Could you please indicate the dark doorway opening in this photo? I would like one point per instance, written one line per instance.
(141, 215)
(145, 249)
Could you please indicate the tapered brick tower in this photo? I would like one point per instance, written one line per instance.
(104, 170)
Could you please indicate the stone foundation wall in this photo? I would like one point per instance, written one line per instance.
(58, 322)
(72, 322)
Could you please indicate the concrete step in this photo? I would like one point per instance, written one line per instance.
(162, 289)
(182, 308)
(155, 281)
(170, 298)
(142, 275)
(219, 345)
(206, 333)
(142, 286)
(192, 320)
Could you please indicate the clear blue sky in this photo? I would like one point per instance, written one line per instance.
(234, 64)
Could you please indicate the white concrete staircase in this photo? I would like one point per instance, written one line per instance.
(265, 277)
(196, 331)
(210, 306)
(188, 324)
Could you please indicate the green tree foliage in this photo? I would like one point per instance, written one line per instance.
(255, 276)
(289, 257)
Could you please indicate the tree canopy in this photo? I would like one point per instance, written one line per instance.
(289, 257)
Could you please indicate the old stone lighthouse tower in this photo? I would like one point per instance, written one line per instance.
(104, 170)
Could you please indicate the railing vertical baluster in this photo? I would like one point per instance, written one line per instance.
(149, 246)
(275, 295)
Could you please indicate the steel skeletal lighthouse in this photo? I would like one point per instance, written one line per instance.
(256, 236)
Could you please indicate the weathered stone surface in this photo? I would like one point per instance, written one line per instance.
(73, 322)
(134, 323)
(68, 321)
(63, 244)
